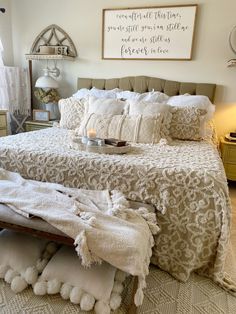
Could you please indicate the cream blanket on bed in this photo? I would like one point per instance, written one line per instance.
(103, 226)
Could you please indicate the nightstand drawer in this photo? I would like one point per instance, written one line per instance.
(230, 171)
(3, 122)
(36, 125)
(3, 133)
(31, 127)
(230, 154)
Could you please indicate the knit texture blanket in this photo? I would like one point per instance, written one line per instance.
(101, 223)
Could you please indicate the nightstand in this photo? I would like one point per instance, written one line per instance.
(3, 122)
(31, 125)
(228, 152)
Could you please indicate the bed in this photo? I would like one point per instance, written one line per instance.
(184, 182)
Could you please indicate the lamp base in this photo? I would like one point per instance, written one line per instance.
(54, 111)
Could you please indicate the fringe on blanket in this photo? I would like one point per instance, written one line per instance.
(120, 208)
(81, 247)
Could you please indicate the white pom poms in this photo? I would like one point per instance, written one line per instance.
(87, 302)
(102, 308)
(18, 284)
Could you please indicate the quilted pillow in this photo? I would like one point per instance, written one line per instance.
(72, 111)
(22, 258)
(137, 129)
(187, 123)
(97, 287)
(104, 106)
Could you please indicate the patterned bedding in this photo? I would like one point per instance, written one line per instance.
(185, 181)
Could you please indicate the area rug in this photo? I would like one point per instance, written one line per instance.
(163, 295)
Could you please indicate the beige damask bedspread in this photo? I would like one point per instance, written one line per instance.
(185, 181)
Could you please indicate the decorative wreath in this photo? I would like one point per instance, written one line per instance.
(45, 97)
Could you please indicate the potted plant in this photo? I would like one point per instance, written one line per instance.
(49, 98)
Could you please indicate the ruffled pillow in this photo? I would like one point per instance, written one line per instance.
(72, 112)
(104, 93)
(81, 93)
(97, 287)
(127, 95)
(153, 96)
(96, 92)
(137, 129)
(22, 258)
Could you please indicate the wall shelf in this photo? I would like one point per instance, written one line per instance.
(55, 38)
(48, 57)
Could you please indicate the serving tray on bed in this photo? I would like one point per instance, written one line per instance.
(105, 149)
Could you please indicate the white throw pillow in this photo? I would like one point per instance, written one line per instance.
(103, 93)
(104, 106)
(127, 95)
(152, 97)
(137, 129)
(97, 287)
(72, 111)
(146, 108)
(22, 258)
(81, 93)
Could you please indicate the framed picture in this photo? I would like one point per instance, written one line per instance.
(149, 33)
(41, 115)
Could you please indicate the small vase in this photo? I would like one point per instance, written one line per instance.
(54, 111)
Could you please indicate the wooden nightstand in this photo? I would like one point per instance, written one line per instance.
(31, 125)
(3, 122)
(228, 152)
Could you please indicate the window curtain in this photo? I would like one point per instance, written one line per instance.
(1, 52)
(15, 95)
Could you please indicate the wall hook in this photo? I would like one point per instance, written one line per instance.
(3, 10)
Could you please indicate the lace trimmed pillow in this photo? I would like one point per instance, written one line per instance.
(187, 123)
(137, 129)
(72, 112)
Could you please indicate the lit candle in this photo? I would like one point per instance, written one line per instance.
(91, 133)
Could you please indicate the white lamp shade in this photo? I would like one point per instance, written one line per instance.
(46, 81)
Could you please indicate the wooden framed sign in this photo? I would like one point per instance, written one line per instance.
(164, 32)
(41, 115)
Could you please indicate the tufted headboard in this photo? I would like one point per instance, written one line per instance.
(142, 84)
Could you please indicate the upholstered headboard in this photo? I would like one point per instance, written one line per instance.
(143, 84)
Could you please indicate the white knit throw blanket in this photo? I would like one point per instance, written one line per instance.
(102, 225)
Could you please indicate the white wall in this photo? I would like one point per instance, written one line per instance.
(82, 20)
(6, 33)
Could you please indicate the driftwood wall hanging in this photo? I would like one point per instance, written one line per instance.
(53, 40)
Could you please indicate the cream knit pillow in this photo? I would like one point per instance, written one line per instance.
(72, 111)
(137, 129)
